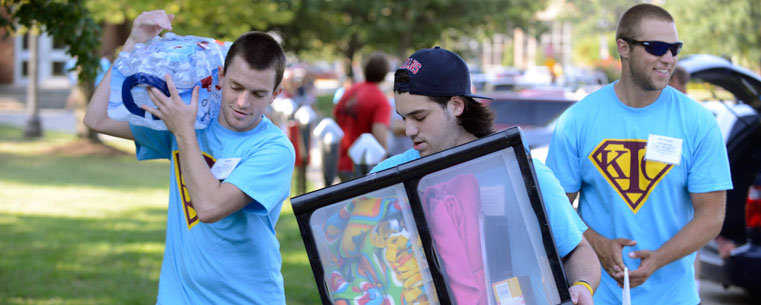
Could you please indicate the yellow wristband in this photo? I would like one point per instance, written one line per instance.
(585, 284)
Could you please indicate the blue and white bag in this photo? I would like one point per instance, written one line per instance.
(190, 61)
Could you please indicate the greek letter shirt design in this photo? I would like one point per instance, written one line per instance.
(190, 213)
(622, 163)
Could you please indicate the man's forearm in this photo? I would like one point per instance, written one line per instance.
(594, 239)
(198, 178)
(709, 216)
(582, 265)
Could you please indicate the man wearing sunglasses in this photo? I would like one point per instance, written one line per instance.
(650, 166)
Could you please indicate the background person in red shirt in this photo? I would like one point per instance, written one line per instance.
(363, 109)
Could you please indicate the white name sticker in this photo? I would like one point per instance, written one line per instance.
(223, 167)
(663, 149)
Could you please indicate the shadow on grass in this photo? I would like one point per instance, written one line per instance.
(84, 260)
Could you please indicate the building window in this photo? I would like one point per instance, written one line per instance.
(59, 68)
(25, 68)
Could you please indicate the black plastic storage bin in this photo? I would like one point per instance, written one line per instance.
(463, 226)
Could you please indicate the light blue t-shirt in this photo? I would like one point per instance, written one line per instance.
(599, 142)
(235, 260)
(566, 226)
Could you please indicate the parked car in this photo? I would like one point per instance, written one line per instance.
(739, 121)
(503, 79)
(534, 111)
(478, 78)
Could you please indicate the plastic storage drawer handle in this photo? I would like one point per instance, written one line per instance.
(140, 79)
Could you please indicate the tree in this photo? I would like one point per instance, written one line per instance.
(219, 19)
(398, 27)
(68, 22)
(724, 28)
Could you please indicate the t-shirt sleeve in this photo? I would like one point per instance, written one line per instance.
(407, 156)
(566, 226)
(563, 156)
(265, 176)
(709, 170)
(152, 144)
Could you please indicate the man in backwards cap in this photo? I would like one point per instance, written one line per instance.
(432, 94)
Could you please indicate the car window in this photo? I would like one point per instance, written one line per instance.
(528, 112)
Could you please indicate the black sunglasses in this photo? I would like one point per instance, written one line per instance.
(658, 48)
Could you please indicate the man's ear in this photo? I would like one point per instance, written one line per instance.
(221, 73)
(624, 48)
(276, 92)
(456, 105)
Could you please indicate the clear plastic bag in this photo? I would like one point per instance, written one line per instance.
(190, 61)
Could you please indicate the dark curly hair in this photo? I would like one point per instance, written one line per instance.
(476, 118)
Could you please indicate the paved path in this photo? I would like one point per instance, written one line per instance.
(50, 119)
(713, 293)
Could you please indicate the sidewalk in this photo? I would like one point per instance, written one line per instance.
(53, 115)
(50, 119)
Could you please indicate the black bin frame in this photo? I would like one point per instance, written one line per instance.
(409, 174)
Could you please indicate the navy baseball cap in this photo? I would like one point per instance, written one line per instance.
(436, 72)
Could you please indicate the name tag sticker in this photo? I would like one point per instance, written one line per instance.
(663, 149)
(223, 167)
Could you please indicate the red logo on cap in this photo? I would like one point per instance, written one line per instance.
(412, 65)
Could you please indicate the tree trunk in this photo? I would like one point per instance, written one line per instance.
(112, 35)
(404, 42)
(33, 128)
(86, 90)
(351, 49)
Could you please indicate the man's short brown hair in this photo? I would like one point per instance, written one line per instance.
(376, 68)
(629, 22)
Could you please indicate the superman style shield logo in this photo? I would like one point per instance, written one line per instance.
(623, 164)
(190, 213)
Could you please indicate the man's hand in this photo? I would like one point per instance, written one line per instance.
(580, 295)
(609, 251)
(179, 117)
(647, 265)
(148, 25)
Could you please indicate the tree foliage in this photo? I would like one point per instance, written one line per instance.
(401, 26)
(728, 28)
(67, 21)
(220, 19)
(345, 27)
(397, 27)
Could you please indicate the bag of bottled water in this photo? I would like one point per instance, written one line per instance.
(190, 61)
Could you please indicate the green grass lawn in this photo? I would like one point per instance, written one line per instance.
(90, 229)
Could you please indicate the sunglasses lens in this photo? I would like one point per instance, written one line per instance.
(658, 48)
(675, 48)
